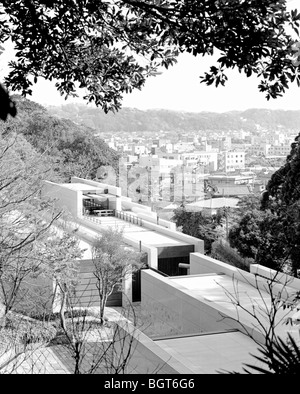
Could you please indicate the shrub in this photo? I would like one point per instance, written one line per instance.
(28, 331)
(280, 358)
(224, 252)
(75, 313)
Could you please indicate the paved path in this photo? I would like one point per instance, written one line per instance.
(39, 361)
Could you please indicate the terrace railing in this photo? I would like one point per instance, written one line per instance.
(128, 217)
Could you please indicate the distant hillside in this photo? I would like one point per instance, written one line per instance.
(130, 120)
(73, 149)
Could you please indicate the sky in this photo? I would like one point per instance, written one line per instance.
(179, 88)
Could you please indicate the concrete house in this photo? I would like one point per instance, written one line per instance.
(204, 311)
(94, 207)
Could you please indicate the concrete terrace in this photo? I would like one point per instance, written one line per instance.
(131, 231)
(203, 313)
(212, 353)
(222, 298)
(131, 217)
(223, 292)
(89, 202)
(147, 356)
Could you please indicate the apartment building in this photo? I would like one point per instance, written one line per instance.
(232, 160)
(206, 160)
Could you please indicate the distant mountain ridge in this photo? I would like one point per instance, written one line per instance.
(130, 120)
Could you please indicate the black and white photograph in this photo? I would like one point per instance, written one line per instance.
(150, 190)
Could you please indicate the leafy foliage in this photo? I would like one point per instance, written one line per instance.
(270, 233)
(282, 197)
(70, 149)
(113, 263)
(199, 225)
(29, 330)
(261, 235)
(280, 358)
(222, 251)
(110, 47)
(28, 248)
(284, 185)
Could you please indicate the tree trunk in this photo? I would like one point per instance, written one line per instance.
(3, 315)
(63, 307)
(77, 357)
(102, 308)
(4, 310)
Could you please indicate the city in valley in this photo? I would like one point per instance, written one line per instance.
(188, 157)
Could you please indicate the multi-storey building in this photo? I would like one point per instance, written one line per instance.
(208, 160)
(230, 161)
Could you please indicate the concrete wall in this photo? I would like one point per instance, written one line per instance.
(201, 264)
(128, 204)
(156, 220)
(114, 203)
(111, 189)
(167, 252)
(141, 209)
(151, 251)
(181, 311)
(147, 357)
(280, 277)
(177, 310)
(167, 224)
(198, 243)
(66, 199)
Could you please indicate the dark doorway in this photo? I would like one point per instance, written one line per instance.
(136, 286)
(170, 267)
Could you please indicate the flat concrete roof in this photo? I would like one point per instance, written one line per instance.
(213, 288)
(152, 238)
(134, 232)
(212, 353)
(229, 176)
(88, 188)
(222, 291)
(98, 197)
(215, 203)
(80, 187)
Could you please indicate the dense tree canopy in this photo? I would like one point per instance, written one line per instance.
(260, 236)
(200, 225)
(285, 183)
(110, 47)
(269, 232)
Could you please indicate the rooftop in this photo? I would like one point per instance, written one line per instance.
(215, 203)
(234, 190)
(212, 353)
(234, 177)
(80, 187)
(222, 291)
(131, 231)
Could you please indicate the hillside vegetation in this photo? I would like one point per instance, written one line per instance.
(72, 149)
